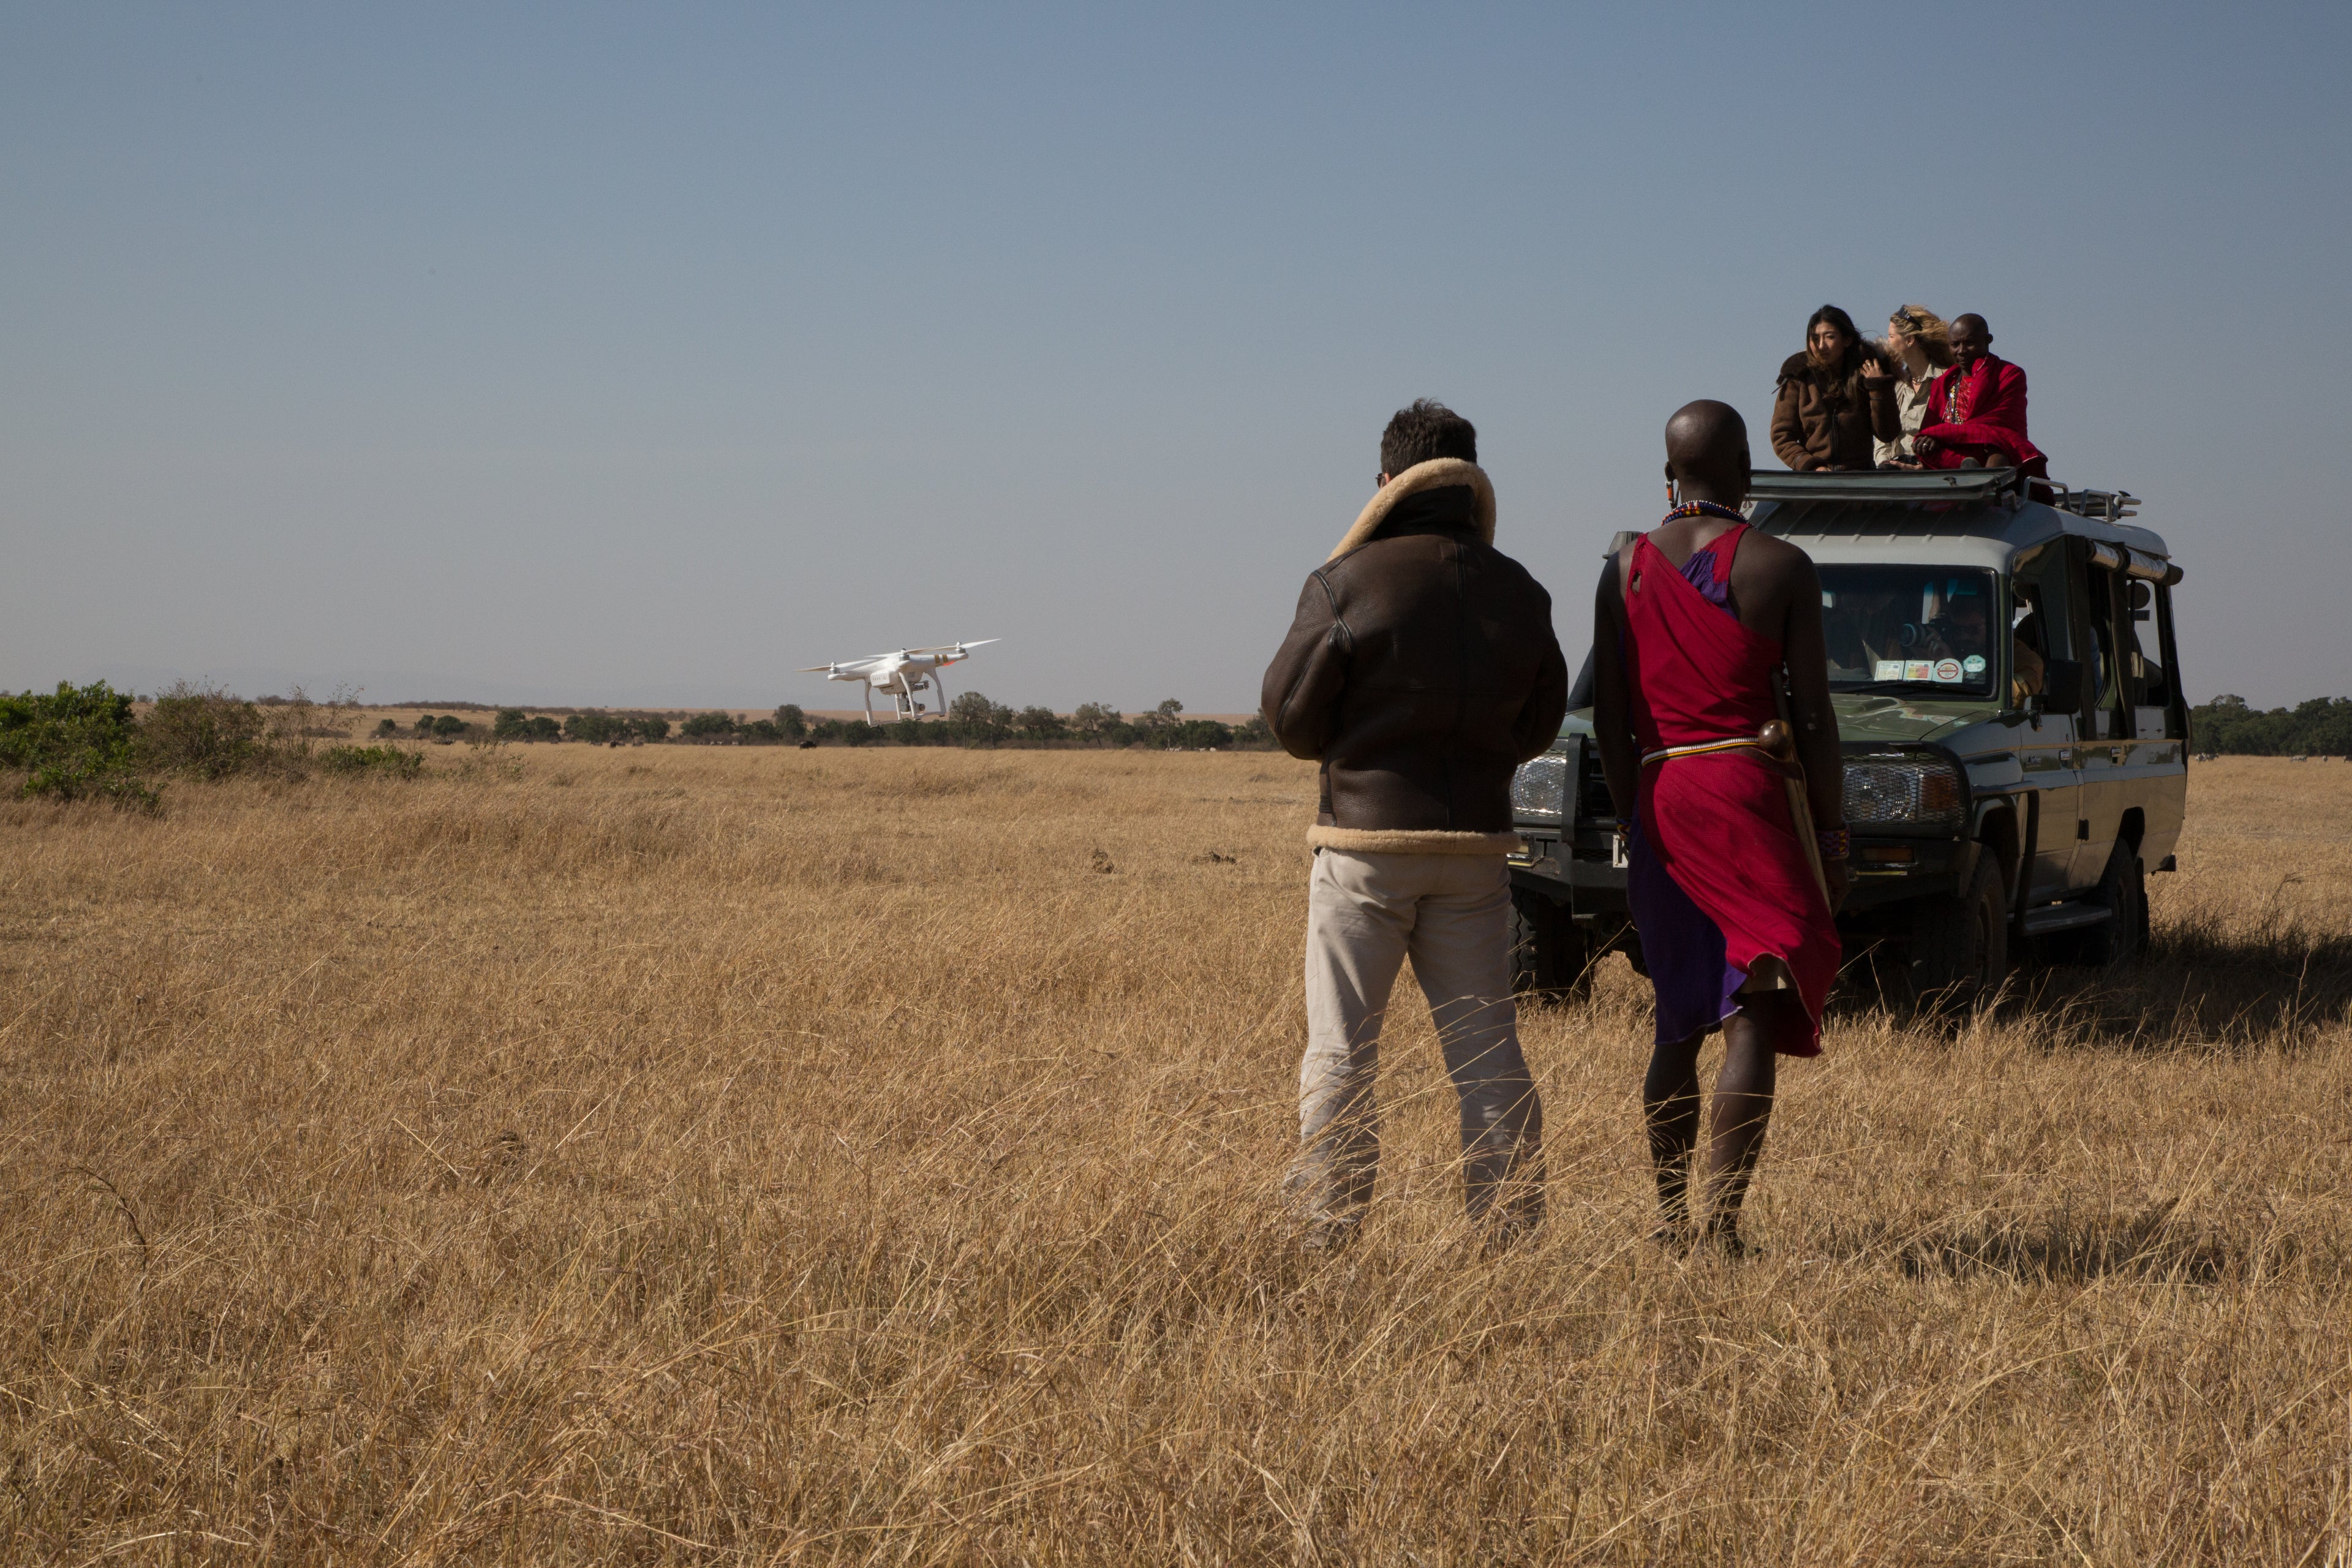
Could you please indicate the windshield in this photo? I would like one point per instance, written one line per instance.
(1923, 630)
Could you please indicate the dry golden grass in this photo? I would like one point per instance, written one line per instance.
(683, 1155)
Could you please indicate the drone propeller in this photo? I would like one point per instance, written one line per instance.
(957, 648)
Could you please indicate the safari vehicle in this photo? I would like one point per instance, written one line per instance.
(2008, 697)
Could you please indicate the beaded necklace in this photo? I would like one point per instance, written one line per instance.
(1960, 395)
(1701, 509)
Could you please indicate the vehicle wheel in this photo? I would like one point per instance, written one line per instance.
(1547, 950)
(1959, 946)
(2123, 893)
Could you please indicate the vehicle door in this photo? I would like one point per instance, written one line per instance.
(2044, 625)
(2103, 756)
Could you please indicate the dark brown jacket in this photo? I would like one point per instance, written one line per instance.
(1421, 671)
(1821, 421)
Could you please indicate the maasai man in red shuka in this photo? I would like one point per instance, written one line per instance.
(1975, 410)
(1732, 888)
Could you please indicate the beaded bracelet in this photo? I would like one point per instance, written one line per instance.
(1836, 843)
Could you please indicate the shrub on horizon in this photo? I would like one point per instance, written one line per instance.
(201, 731)
(73, 743)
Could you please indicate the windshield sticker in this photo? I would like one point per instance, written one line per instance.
(1889, 669)
(1948, 671)
(1973, 664)
(1919, 669)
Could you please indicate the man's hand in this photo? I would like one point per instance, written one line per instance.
(1833, 872)
(1924, 446)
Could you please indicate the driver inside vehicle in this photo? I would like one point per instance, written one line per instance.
(1962, 632)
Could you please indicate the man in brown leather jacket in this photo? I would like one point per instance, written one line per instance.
(1421, 671)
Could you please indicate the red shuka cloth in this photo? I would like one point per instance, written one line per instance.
(1977, 413)
(1721, 825)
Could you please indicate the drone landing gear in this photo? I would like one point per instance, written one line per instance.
(911, 709)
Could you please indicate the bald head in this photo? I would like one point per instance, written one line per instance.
(1970, 339)
(1707, 452)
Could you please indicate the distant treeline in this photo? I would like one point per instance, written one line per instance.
(972, 719)
(84, 742)
(2321, 727)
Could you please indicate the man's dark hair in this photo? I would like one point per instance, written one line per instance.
(1427, 429)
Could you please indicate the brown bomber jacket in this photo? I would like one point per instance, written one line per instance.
(1820, 422)
(1421, 671)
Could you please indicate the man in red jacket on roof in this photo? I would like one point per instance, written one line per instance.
(1975, 410)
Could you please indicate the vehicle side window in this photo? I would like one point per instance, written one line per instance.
(2108, 675)
(2041, 617)
(2147, 650)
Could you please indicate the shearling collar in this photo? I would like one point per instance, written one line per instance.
(1436, 474)
(1799, 366)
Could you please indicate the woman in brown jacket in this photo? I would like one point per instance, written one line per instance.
(1836, 399)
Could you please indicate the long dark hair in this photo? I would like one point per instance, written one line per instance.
(1844, 323)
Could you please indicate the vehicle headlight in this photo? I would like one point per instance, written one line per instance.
(1907, 792)
(1540, 789)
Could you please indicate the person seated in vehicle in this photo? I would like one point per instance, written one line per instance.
(1963, 632)
(1975, 410)
(1918, 348)
(2029, 669)
(1835, 400)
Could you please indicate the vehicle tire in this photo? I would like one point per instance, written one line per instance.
(1958, 946)
(2123, 893)
(1548, 958)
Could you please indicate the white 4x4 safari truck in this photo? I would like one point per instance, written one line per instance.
(2008, 702)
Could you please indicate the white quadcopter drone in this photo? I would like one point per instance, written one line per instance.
(902, 674)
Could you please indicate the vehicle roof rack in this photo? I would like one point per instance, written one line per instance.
(2110, 506)
(1944, 487)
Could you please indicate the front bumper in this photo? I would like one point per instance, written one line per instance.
(1884, 871)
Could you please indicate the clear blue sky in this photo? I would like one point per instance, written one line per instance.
(592, 354)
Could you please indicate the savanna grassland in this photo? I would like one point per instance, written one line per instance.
(670, 1154)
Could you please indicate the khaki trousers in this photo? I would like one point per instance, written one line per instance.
(1366, 913)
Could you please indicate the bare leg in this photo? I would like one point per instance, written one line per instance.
(1743, 1107)
(1670, 1108)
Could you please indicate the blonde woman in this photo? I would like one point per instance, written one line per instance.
(1920, 344)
